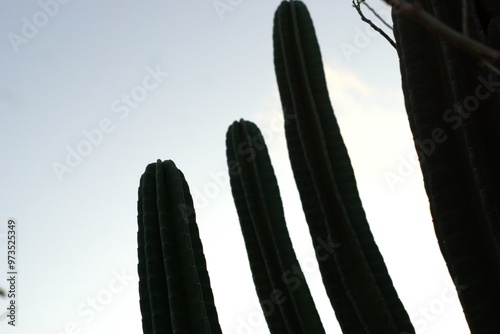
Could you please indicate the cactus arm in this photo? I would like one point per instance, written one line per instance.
(260, 210)
(255, 234)
(460, 173)
(289, 82)
(263, 283)
(360, 289)
(178, 286)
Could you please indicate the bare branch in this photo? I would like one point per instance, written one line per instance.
(374, 12)
(415, 12)
(357, 4)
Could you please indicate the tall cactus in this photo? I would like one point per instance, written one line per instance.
(355, 276)
(280, 284)
(174, 287)
(453, 107)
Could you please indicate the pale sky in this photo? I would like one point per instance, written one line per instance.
(91, 92)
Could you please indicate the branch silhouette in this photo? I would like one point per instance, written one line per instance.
(357, 4)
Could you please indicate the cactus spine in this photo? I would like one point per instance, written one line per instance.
(174, 287)
(270, 252)
(355, 276)
(453, 106)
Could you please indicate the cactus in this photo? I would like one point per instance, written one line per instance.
(459, 156)
(285, 298)
(453, 106)
(355, 276)
(174, 287)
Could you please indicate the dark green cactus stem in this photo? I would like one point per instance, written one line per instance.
(453, 106)
(280, 284)
(355, 275)
(174, 287)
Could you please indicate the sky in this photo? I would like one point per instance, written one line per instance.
(91, 92)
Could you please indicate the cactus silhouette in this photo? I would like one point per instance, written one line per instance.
(355, 276)
(279, 281)
(174, 287)
(453, 106)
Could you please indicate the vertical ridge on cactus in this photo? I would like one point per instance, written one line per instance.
(174, 286)
(144, 296)
(154, 296)
(355, 276)
(270, 252)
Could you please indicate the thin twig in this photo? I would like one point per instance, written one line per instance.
(363, 18)
(374, 12)
(414, 11)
